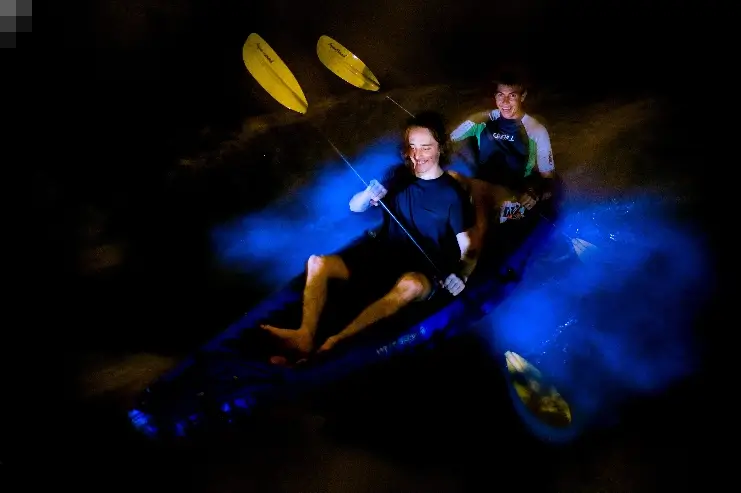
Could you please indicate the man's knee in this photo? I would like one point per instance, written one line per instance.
(412, 286)
(327, 265)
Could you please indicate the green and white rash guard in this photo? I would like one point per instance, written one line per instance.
(539, 155)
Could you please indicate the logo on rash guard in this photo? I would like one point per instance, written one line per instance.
(507, 137)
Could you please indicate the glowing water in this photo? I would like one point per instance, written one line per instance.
(619, 323)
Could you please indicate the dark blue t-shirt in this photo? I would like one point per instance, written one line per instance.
(433, 211)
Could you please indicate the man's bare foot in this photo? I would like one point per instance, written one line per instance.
(298, 342)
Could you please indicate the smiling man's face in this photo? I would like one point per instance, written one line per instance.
(509, 101)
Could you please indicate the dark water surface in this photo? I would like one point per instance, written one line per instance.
(146, 79)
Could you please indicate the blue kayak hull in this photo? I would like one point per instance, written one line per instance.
(230, 379)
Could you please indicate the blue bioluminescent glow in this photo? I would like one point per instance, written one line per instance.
(274, 243)
(143, 423)
(618, 323)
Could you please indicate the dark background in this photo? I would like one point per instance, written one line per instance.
(137, 82)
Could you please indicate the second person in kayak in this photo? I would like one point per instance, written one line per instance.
(514, 167)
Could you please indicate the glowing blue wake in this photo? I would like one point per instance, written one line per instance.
(620, 323)
(273, 244)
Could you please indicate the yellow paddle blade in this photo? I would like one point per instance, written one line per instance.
(541, 399)
(345, 65)
(272, 74)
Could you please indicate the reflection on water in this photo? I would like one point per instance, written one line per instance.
(618, 324)
(541, 398)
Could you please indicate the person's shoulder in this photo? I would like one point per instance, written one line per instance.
(454, 187)
(534, 128)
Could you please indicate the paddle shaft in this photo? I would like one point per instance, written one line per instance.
(438, 272)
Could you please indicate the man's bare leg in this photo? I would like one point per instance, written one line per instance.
(409, 288)
(319, 270)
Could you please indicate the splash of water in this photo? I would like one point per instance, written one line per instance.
(620, 323)
(273, 244)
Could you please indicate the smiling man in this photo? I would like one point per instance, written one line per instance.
(514, 168)
(435, 214)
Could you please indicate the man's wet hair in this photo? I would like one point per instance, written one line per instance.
(512, 78)
(436, 124)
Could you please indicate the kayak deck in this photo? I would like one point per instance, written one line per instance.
(231, 376)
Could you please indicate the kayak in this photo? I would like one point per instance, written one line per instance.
(230, 379)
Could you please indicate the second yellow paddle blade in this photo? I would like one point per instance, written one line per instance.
(542, 400)
(273, 74)
(345, 65)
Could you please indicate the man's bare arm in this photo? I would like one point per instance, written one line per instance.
(368, 197)
(469, 256)
(360, 201)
